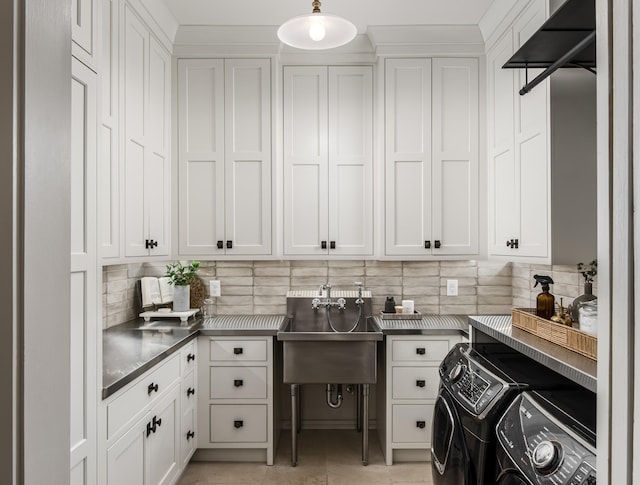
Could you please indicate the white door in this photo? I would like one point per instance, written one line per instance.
(455, 201)
(408, 156)
(163, 446)
(201, 155)
(306, 226)
(350, 161)
(247, 156)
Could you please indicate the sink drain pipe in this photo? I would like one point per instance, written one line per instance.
(338, 401)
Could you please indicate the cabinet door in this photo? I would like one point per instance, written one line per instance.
(455, 156)
(502, 174)
(532, 147)
(305, 160)
(134, 93)
(163, 444)
(126, 457)
(247, 156)
(201, 155)
(408, 156)
(350, 160)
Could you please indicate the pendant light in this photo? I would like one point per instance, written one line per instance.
(317, 30)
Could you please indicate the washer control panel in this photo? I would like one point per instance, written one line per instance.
(544, 449)
(473, 386)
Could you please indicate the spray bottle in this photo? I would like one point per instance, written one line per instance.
(545, 302)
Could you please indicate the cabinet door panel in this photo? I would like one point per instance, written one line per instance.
(134, 216)
(201, 155)
(305, 160)
(350, 160)
(533, 179)
(157, 200)
(163, 444)
(502, 203)
(126, 457)
(455, 156)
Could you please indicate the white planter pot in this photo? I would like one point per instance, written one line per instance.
(181, 296)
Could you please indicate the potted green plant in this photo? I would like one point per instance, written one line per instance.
(181, 276)
(588, 272)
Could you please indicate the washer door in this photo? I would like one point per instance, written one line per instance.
(450, 463)
(511, 478)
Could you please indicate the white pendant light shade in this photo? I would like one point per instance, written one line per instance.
(317, 31)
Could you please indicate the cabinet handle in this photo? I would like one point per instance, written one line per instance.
(149, 429)
(323, 244)
(427, 244)
(420, 383)
(332, 245)
(191, 356)
(220, 244)
(237, 350)
(515, 243)
(421, 424)
(191, 391)
(436, 243)
(150, 244)
(238, 382)
(152, 388)
(190, 434)
(229, 244)
(156, 422)
(421, 351)
(238, 424)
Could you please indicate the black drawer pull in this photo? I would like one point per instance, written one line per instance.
(237, 350)
(427, 244)
(238, 424)
(152, 388)
(238, 382)
(421, 424)
(191, 391)
(191, 357)
(421, 351)
(220, 245)
(420, 383)
(190, 434)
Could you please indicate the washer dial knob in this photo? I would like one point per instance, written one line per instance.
(457, 372)
(546, 457)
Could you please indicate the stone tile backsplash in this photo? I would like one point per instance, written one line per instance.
(259, 287)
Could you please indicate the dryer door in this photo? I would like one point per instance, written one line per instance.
(450, 463)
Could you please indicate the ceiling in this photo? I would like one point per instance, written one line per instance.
(362, 13)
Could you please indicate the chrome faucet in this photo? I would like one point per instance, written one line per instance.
(359, 285)
(316, 303)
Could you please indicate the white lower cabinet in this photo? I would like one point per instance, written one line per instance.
(236, 407)
(407, 390)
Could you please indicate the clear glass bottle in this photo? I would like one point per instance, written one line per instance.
(588, 316)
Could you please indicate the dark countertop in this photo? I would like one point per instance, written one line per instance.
(427, 325)
(573, 366)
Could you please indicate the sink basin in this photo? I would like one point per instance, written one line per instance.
(316, 354)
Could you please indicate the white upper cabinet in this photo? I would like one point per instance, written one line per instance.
(145, 104)
(431, 157)
(224, 156)
(83, 31)
(519, 160)
(328, 161)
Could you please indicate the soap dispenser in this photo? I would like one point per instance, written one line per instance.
(390, 305)
(545, 301)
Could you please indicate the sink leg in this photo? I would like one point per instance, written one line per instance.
(365, 424)
(294, 424)
(358, 407)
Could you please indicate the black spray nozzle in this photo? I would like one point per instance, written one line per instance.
(544, 280)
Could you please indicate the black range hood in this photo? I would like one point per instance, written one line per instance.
(566, 39)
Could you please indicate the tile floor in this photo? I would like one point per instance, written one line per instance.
(325, 457)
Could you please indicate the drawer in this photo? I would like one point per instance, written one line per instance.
(238, 423)
(188, 357)
(419, 350)
(412, 423)
(188, 392)
(188, 438)
(124, 407)
(415, 382)
(237, 350)
(237, 382)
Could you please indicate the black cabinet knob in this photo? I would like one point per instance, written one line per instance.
(191, 356)
(238, 424)
(238, 382)
(421, 424)
(436, 243)
(237, 350)
(421, 351)
(229, 244)
(427, 244)
(420, 383)
(190, 434)
(323, 244)
(191, 391)
(220, 245)
(152, 388)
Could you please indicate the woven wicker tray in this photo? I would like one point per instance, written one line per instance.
(567, 337)
(401, 316)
